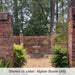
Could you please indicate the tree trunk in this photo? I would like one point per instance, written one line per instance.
(15, 11)
(56, 10)
(69, 2)
(63, 10)
(52, 2)
(22, 19)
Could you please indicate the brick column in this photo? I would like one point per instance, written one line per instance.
(6, 37)
(21, 37)
(71, 33)
(71, 37)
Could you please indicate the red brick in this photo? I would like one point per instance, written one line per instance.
(1, 39)
(4, 47)
(1, 34)
(72, 62)
(71, 37)
(4, 25)
(7, 53)
(6, 36)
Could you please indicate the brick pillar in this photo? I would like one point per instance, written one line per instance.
(71, 34)
(21, 37)
(71, 37)
(6, 37)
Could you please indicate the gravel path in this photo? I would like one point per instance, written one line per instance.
(38, 62)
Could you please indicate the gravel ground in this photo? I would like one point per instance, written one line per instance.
(38, 62)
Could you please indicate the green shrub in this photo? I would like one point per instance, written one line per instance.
(60, 56)
(4, 64)
(19, 55)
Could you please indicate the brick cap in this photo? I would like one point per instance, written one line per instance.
(4, 16)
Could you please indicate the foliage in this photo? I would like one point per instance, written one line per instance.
(19, 55)
(37, 30)
(38, 23)
(60, 57)
(4, 64)
(61, 32)
(33, 16)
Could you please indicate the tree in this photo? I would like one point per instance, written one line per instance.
(34, 17)
(18, 15)
(1, 6)
(38, 23)
(56, 10)
(52, 2)
(61, 33)
(15, 11)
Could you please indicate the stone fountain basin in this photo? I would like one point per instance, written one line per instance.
(36, 47)
(37, 54)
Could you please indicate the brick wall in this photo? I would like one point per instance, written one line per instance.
(30, 41)
(71, 37)
(6, 37)
(16, 39)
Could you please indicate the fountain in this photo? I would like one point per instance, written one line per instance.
(36, 49)
(37, 53)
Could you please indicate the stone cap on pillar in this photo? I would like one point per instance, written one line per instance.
(4, 16)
